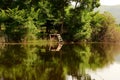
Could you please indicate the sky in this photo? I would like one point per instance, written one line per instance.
(110, 2)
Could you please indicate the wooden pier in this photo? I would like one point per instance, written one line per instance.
(58, 36)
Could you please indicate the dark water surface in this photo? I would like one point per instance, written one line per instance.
(60, 62)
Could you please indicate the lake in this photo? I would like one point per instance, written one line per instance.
(85, 61)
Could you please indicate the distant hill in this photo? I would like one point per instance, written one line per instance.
(114, 10)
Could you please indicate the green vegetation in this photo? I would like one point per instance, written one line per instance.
(30, 20)
(105, 28)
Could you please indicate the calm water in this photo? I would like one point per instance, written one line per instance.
(60, 62)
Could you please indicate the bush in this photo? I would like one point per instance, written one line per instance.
(105, 29)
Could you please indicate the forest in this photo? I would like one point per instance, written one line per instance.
(29, 20)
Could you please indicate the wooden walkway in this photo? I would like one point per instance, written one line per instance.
(56, 35)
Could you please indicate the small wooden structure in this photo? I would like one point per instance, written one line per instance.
(57, 36)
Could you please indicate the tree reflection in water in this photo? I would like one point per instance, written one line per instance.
(36, 62)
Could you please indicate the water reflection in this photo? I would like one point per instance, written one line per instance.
(72, 62)
(56, 47)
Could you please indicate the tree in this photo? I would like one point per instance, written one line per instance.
(96, 24)
(79, 19)
(74, 21)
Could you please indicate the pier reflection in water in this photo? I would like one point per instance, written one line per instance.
(66, 62)
(56, 47)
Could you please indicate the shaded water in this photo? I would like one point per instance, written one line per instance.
(60, 62)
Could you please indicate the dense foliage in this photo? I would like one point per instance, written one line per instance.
(25, 20)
